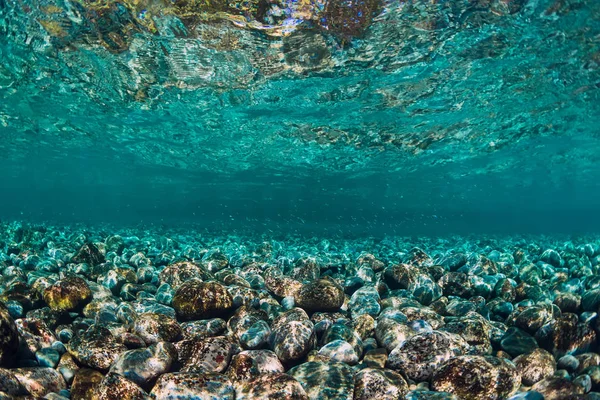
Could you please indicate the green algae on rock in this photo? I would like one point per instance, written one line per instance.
(200, 300)
(67, 294)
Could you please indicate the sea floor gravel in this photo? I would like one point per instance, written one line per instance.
(162, 313)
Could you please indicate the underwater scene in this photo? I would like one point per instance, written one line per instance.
(299, 199)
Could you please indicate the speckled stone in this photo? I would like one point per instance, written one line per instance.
(142, 366)
(421, 354)
(557, 388)
(533, 318)
(380, 384)
(320, 295)
(535, 366)
(84, 383)
(276, 386)
(90, 254)
(210, 355)
(292, 335)
(266, 361)
(9, 337)
(200, 300)
(339, 351)
(180, 272)
(474, 329)
(153, 328)
(203, 329)
(340, 331)
(96, 348)
(114, 387)
(67, 294)
(249, 327)
(477, 377)
(40, 381)
(279, 284)
(9, 383)
(425, 314)
(390, 333)
(400, 276)
(332, 381)
(429, 395)
(193, 386)
(566, 335)
(365, 301)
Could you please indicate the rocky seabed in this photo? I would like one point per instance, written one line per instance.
(147, 313)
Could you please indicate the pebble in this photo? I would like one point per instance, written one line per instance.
(39, 381)
(422, 353)
(143, 366)
(322, 380)
(200, 300)
(136, 315)
(381, 384)
(192, 385)
(477, 377)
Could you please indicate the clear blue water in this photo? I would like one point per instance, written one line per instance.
(350, 117)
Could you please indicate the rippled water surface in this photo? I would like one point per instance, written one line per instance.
(340, 114)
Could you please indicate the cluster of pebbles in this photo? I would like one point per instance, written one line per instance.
(141, 314)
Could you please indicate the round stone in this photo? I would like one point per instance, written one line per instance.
(193, 385)
(320, 295)
(535, 366)
(477, 377)
(201, 300)
(380, 384)
(67, 294)
(421, 354)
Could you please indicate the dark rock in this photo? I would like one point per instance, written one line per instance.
(566, 335)
(456, 284)
(350, 18)
(9, 337)
(533, 318)
(535, 366)
(96, 348)
(400, 276)
(421, 354)
(114, 386)
(551, 257)
(556, 388)
(279, 284)
(516, 341)
(199, 300)
(211, 355)
(380, 384)
(68, 294)
(154, 328)
(89, 254)
(177, 274)
(203, 329)
(477, 377)
(9, 383)
(84, 383)
(320, 295)
(40, 381)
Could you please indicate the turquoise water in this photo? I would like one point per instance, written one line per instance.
(341, 116)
